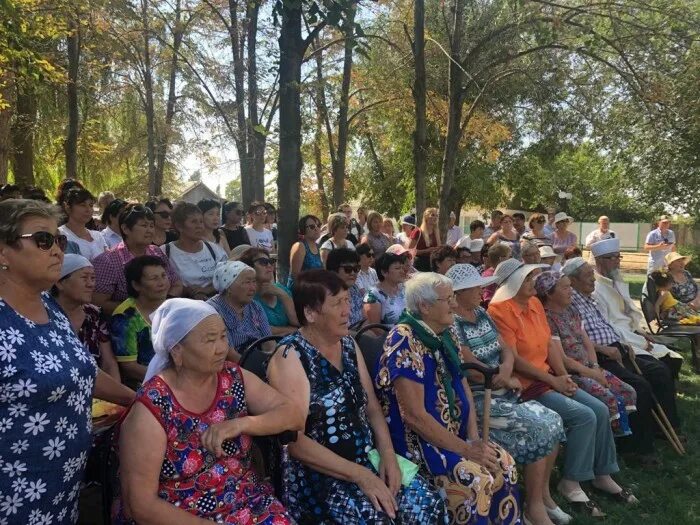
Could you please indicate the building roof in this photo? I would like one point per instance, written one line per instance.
(200, 188)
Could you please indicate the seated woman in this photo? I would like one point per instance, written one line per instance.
(530, 253)
(211, 216)
(245, 319)
(684, 288)
(507, 235)
(367, 277)
(554, 291)
(496, 255)
(668, 308)
(78, 207)
(528, 431)
(338, 227)
(332, 479)
(385, 302)
(197, 413)
(539, 365)
(442, 259)
(430, 410)
(346, 263)
(73, 292)
(305, 254)
(273, 298)
(537, 234)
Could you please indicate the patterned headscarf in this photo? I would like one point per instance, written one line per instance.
(226, 274)
(546, 281)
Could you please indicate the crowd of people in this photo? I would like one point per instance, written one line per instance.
(149, 306)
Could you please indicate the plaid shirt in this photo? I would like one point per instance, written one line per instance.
(109, 270)
(598, 329)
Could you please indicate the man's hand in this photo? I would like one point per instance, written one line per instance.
(611, 352)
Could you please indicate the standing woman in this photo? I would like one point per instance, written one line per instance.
(162, 212)
(506, 235)
(537, 234)
(233, 229)
(211, 214)
(562, 237)
(375, 237)
(110, 220)
(78, 208)
(48, 378)
(425, 240)
(338, 229)
(305, 254)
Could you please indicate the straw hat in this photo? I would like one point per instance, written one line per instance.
(466, 276)
(510, 274)
(672, 257)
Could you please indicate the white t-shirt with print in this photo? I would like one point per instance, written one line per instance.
(88, 249)
(262, 239)
(196, 269)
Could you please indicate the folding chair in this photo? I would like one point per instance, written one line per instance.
(372, 345)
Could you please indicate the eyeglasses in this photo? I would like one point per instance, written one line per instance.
(610, 257)
(312, 226)
(45, 240)
(447, 299)
(163, 214)
(350, 268)
(370, 255)
(260, 212)
(264, 261)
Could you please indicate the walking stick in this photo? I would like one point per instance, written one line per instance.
(661, 419)
(488, 374)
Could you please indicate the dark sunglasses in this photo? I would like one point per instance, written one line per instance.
(370, 255)
(45, 240)
(163, 214)
(350, 268)
(139, 209)
(264, 261)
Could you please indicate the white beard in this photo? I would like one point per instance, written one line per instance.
(615, 275)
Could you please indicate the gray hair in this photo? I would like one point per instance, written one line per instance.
(421, 289)
(13, 212)
(529, 247)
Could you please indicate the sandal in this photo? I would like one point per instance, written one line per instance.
(625, 496)
(588, 507)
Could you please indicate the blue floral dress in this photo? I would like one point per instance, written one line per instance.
(474, 496)
(392, 305)
(338, 420)
(47, 379)
(528, 431)
(357, 314)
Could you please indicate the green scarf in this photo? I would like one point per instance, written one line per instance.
(444, 345)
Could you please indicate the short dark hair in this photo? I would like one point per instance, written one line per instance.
(476, 224)
(461, 249)
(153, 204)
(340, 256)
(496, 213)
(312, 287)
(255, 205)
(34, 193)
(8, 189)
(519, 215)
(78, 196)
(248, 257)
(661, 278)
(182, 211)
(228, 206)
(384, 261)
(131, 214)
(133, 271)
(571, 252)
(208, 204)
(439, 255)
(304, 219)
(363, 249)
(112, 210)
(64, 187)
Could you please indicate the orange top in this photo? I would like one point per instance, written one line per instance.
(524, 329)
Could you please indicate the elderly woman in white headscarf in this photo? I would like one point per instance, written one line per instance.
(197, 412)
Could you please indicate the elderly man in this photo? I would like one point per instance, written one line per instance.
(603, 232)
(616, 356)
(659, 242)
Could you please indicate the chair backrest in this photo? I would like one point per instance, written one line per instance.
(649, 311)
(372, 345)
(253, 358)
(650, 290)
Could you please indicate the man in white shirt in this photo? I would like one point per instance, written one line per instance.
(408, 224)
(603, 232)
(454, 232)
(658, 243)
(260, 237)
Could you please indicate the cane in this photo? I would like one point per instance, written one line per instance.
(488, 374)
(661, 419)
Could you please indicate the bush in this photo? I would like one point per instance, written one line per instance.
(694, 264)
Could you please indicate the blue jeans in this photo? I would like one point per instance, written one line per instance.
(590, 446)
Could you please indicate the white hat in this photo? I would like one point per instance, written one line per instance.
(466, 276)
(547, 251)
(510, 275)
(476, 245)
(605, 246)
(464, 242)
(572, 265)
(562, 216)
(226, 274)
(72, 262)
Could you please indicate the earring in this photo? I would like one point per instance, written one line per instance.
(4, 267)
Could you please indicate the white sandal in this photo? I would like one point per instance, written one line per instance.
(558, 516)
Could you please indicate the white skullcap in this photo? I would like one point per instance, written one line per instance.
(605, 247)
(73, 262)
(572, 265)
(170, 324)
(226, 274)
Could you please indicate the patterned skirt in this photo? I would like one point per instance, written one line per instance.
(620, 398)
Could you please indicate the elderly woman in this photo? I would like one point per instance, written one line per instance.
(338, 230)
(495, 256)
(537, 234)
(562, 238)
(275, 299)
(78, 207)
(385, 302)
(245, 319)
(48, 377)
(335, 475)
(136, 224)
(506, 235)
(305, 254)
(197, 412)
(346, 263)
(528, 431)
(539, 365)
(442, 259)
(162, 213)
(375, 237)
(684, 288)
(73, 292)
(430, 410)
(425, 239)
(193, 258)
(530, 253)
(555, 292)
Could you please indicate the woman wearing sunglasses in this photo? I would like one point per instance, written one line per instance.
(305, 254)
(233, 229)
(338, 229)
(162, 214)
(346, 263)
(78, 207)
(537, 234)
(48, 377)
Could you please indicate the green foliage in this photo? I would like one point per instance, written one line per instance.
(232, 192)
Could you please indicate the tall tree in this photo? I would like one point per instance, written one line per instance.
(23, 134)
(420, 140)
(73, 51)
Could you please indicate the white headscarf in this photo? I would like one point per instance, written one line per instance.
(226, 274)
(170, 324)
(73, 262)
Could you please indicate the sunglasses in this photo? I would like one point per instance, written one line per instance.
(260, 212)
(350, 268)
(370, 255)
(163, 214)
(264, 261)
(45, 240)
(140, 209)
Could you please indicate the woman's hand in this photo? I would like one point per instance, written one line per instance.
(377, 492)
(563, 384)
(482, 453)
(598, 375)
(500, 381)
(212, 439)
(390, 472)
(514, 384)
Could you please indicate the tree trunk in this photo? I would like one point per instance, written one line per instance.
(166, 133)
(420, 135)
(318, 138)
(289, 164)
(73, 48)
(343, 123)
(23, 136)
(154, 189)
(7, 95)
(454, 115)
(256, 138)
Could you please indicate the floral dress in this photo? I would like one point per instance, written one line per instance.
(94, 331)
(46, 385)
(357, 314)
(224, 490)
(687, 291)
(392, 305)
(528, 431)
(474, 496)
(620, 398)
(338, 420)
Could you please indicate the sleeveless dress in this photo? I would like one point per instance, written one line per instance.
(224, 490)
(338, 420)
(311, 261)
